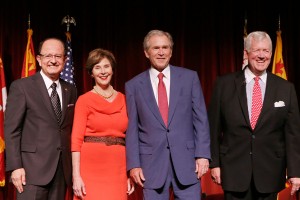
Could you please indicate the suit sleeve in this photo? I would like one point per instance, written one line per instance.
(200, 121)
(292, 132)
(215, 124)
(13, 122)
(132, 134)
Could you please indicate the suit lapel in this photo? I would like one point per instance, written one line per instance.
(268, 99)
(240, 85)
(41, 87)
(174, 91)
(148, 96)
(65, 98)
(45, 95)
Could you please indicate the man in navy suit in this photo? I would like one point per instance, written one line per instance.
(37, 141)
(250, 161)
(176, 152)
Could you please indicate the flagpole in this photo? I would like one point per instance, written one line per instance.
(245, 58)
(68, 21)
(245, 26)
(29, 21)
(278, 64)
(68, 72)
(29, 62)
(279, 22)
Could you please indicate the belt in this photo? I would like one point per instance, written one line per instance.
(108, 140)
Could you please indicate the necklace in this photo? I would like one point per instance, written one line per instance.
(105, 97)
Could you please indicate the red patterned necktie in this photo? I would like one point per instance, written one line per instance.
(256, 102)
(162, 98)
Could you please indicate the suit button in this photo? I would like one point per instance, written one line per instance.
(168, 130)
(253, 136)
(59, 148)
(250, 153)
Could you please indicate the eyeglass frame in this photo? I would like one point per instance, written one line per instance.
(51, 56)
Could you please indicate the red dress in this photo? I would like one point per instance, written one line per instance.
(102, 167)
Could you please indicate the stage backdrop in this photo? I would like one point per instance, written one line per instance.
(208, 37)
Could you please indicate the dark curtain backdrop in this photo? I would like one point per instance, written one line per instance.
(208, 36)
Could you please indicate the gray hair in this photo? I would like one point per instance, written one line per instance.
(257, 36)
(159, 33)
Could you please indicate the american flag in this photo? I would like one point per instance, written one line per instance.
(68, 72)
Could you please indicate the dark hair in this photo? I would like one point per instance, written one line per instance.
(96, 55)
(51, 38)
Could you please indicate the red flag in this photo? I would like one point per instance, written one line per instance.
(278, 66)
(29, 63)
(3, 96)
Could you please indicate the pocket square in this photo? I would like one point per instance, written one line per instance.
(70, 105)
(279, 104)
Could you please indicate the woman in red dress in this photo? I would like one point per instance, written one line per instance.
(98, 136)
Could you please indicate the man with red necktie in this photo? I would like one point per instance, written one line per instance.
(255, 128)
(167, 140)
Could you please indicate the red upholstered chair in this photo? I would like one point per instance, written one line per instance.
(286, 194)
(213, 197)
(210, 190)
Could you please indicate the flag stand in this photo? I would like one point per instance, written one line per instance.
(68, 72)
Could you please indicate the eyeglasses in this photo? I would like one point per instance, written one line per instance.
(50, 56)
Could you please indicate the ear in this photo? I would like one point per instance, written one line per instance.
(146, 54)
(38, 58)
(245, 54)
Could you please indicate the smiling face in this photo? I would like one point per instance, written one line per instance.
(52, 58)
(159, 51)
(102, 73)
(259, 56)
(258, 51)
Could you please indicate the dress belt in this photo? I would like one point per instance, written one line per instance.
(108, 140)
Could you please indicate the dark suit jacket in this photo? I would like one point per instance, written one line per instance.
(34, 140)
(265, 153)
(149, 143)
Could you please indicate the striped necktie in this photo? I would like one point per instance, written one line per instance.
(55, 102)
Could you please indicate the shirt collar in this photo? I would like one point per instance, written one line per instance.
(249, 76)
(166, 72)
(48, 81)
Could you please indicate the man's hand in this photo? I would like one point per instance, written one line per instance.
(216, 175)
(18, 179)
(295, 182)
(202, 165)
(137, 176)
